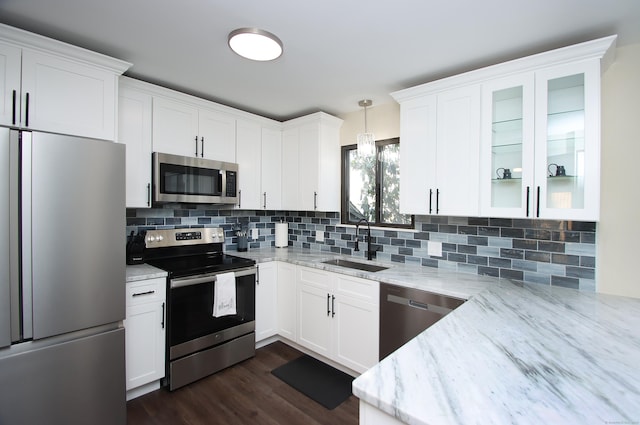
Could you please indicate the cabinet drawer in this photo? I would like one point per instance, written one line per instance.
(355, 287)
(317, 278)
(144, 291)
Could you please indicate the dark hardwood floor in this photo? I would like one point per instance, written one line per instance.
(246, 393)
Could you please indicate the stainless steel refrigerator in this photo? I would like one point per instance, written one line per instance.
(62, 277)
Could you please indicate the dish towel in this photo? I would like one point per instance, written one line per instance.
(224, 295)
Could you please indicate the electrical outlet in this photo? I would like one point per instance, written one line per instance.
(319, 236)
(255, 233)
(434, 249)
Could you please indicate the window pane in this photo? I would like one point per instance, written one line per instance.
(390, 182)
(362, 187)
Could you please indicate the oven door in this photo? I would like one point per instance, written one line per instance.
(194, 180)
(192, 326)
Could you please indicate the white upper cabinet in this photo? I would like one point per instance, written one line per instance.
(517, 139)
(271, 169)
(188, 129)
(507, 149)
(439, 135)
(175, 127)
(217, 132)
(10, 70)
(248, 142)
(55, 87)
(134, 130)
(540, 151)
(316, 167)
(567, 135)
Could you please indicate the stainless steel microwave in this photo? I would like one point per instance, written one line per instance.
(193, 180)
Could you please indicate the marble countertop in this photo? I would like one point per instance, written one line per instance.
(460, 285)
(517, 355)
(142, 272)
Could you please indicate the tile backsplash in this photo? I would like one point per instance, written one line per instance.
(550, 252)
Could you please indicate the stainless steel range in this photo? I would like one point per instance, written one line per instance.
(208, 328)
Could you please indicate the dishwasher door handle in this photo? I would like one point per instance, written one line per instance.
(419, 305)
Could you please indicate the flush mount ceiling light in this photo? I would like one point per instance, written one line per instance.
(255, 44)
(366, 140)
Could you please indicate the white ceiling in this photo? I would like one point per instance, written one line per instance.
(336, 52)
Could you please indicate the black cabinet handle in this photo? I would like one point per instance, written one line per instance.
(257, 275)
(144, 293)
(333, 305)
(26, 113)
(162, 323)
(265, 200)
(437, 201)
(15, 94)
(430, 197)
(196, 146)
(315, 200)
(148, 194)
(528, 190)
(328, 309)
(202, 147)
(538, 203)
(240, 198)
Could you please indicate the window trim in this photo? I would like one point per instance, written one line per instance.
(344, 178)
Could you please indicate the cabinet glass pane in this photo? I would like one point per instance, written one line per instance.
(565, 142)
(506, 148)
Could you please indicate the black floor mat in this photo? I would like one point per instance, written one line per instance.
(318, 381)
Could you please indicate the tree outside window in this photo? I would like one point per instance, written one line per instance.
(371, 186)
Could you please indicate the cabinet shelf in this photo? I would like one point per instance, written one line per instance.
(505, 181)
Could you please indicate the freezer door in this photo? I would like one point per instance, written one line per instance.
(75, 220)
(76, 382)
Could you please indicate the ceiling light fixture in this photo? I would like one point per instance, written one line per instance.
(366, 140)
(255, 44)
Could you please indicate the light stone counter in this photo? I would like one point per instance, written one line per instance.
(511, 354)
(517, 355)
(460, 285)
(143, 272)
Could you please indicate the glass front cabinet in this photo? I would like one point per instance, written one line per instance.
(540, 155)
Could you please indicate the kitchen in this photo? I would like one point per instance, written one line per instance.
(614, 243)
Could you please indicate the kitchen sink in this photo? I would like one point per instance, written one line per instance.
(355, 265)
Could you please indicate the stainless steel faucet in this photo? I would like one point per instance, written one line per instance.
(368, 238)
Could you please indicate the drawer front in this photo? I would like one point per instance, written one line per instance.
(318, 278)
(355, 287)
(144, 291)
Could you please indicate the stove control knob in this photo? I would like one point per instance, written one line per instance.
(151, 238)
(160, 238)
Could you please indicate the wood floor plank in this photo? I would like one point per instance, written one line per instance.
(246, 393)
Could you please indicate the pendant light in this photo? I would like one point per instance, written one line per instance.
(255, 44)
(366, 140)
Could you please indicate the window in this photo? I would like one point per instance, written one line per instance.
(371, 186)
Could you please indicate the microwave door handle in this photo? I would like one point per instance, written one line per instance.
(222, 183)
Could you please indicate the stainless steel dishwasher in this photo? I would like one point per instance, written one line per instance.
(406, 312)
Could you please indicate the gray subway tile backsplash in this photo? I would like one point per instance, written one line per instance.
(549, 252)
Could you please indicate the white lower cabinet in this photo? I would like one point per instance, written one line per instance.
(286, 302)
(338, 317)
(266, 300)
(145, 335)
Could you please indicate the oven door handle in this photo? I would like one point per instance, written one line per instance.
(188, 281)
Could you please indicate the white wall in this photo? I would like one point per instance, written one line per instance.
(618, 234)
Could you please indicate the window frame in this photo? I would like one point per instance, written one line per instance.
(344, 189)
